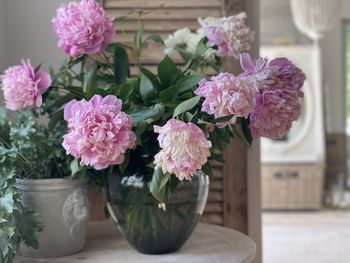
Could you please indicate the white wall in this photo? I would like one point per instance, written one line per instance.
(3, 59)
(276, 24)
(29, 32)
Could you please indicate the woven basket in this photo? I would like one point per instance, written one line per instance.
(292, 187)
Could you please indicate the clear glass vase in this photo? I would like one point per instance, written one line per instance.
(149, 227)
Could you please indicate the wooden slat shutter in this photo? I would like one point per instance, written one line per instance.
(227, 202)
(160, 16)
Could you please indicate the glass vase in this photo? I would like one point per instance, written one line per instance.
(149, 227)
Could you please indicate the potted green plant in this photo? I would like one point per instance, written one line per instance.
(34, 153)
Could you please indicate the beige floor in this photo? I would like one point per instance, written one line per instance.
(306, 237)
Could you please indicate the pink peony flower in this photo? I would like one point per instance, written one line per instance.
(22, 86)
(259, 72)
(226, 95)
(291, 76)
(277, 73)
(230, 34)
(184, 148)
(83, 28)
(274, 113)
(98, 131)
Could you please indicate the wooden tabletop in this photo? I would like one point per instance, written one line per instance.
(208, 243)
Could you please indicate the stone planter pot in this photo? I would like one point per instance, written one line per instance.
(63, 209)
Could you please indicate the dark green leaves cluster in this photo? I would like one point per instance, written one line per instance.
(18, 224)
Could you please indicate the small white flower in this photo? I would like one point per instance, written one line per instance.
(134, 181)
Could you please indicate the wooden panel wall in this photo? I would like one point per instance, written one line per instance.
(160, 16)
(227, 202)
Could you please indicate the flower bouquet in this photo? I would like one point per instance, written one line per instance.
(153, 135)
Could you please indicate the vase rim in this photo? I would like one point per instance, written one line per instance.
(49, 184)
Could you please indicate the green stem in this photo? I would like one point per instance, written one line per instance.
(138, 43)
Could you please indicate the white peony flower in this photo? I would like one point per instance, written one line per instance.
(188, 41)
(177, 38)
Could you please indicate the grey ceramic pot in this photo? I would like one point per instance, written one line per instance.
(63, 209)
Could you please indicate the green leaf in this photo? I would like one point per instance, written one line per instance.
(159, 112)
(7, 203)
(121, 64)
(17, 223)
(157, 185)
(147, 89)
(189, 83)
(186, 105)
(63, 100)
(141, 113)
(141, 128)
(167, 72)
(224, 118)
(152, 77)
(201, 47)
(111, 46)
(37, 68)
(89, 80)
(246, 131)
(155, 37)
(125, 90)
(217, 157)
(186, 84)
(238, 133)
(55, 118)
(124, 164)
(74, 167)
(169, 94)
(185, 55)
(76, 91)
(3, 115)
(29, 227)
(207, 170)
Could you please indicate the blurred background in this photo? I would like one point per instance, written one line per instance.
(305, 178)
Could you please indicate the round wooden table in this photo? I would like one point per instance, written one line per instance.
(208, 243)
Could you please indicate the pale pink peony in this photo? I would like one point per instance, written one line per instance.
(274, 113)
(184, 148)
(231, 35)
(259, 72)
(275, 74)
(227, 95)
(83, 28)
(98, 131)
(22, 86)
